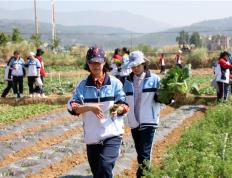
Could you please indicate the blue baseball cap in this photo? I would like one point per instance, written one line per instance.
(95, 54)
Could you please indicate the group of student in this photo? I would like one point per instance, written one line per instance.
(119, 63)
(15, 71)
(223, 76)
(106, 103)
(178, 61)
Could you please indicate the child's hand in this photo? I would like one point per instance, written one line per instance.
(97, 110)
(117, 109)
(74, 105)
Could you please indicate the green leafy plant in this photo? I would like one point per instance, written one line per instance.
(202, 150)
(13, 113)
(172, 83)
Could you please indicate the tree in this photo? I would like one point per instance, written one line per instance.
(36, 39)
(183, 38)
(146, 48)
(4, 38)
(55, 43)
(16, 36)
(195, 39)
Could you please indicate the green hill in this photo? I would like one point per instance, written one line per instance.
(111, 37)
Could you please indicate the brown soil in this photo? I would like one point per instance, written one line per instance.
(199, 71)
(35, 128)
(82, 73)
(79, 73)
(51, 99)
(162, 146)
(41, 144)
(202, 71)
(166, 110)
(59, 168)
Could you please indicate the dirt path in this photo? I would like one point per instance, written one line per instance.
(51, 145)
(82, 73)
(162, 146)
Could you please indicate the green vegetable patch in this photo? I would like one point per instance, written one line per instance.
(205, 149)
(11, 114)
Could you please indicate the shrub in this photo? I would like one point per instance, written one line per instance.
(200, 152)
(198, 58)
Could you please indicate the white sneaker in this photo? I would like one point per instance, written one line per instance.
(38, 95)
(43, 95)
(30, 96)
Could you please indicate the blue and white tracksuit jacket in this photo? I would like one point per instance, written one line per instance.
(33, 66)
(149, 108)
(110, 93)
(17, 67)
(125, 69)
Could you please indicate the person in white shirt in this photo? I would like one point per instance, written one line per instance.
(33, 74)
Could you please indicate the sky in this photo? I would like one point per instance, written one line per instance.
(174, 13)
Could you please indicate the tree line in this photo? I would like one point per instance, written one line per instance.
(185, 38)
(16, 37)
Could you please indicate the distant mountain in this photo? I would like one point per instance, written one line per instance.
(69, 35)
(117, 19)
(210, 27)
(112, 37)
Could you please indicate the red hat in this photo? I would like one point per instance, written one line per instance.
(117, 59)
(116, 56)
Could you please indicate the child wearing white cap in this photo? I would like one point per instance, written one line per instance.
(33, 73)
(143, 118)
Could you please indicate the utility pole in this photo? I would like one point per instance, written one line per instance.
(131, 41)
(36, 19)
(53, 22)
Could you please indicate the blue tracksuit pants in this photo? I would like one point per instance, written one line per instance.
(143, 139)
(102, 157)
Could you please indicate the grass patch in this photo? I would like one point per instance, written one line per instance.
(200, 153)
(204, 84)
(11, 114)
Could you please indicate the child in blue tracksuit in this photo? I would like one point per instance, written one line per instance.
(141, 95)
(17, 71)
(101, 101)
(33, 73)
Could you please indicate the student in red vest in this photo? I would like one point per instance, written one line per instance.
(178, 59)
(222, 75)
(39, 53)
(162, 64)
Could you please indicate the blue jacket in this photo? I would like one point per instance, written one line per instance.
(110, 93)
(150, 109)
(17, 67)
